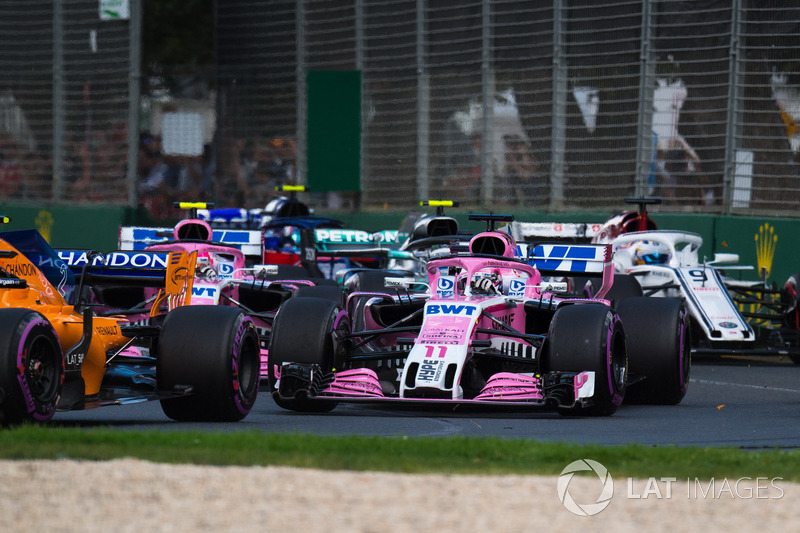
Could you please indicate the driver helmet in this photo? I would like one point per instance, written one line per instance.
(492, 279)
(206, 265)
(651, 253)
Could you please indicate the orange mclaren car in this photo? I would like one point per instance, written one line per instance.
(57, 353)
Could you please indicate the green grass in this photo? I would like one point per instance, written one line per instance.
(451, 455)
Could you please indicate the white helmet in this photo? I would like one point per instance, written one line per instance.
(651, 253)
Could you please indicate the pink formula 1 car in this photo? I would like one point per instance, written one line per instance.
(484, 328)
(222, 275)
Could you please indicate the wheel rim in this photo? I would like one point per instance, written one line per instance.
(341, 328)
(619, 364)
(619, 368)
(42, 369)
(249, 370)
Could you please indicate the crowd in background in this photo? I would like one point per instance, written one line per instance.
(249, 172)
(24, 173)
(243, 173)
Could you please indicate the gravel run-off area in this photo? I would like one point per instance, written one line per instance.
(129, 495)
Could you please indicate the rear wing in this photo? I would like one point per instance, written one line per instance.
(577, 232)
(171, 272)
(590, 260)
(350, 239)
(142, 268)
(232, 218)
(137, 238)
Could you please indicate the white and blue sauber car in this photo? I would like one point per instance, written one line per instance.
(728, 316)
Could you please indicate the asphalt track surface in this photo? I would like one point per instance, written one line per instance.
(746, 403)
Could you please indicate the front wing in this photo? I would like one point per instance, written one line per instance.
(542, 391)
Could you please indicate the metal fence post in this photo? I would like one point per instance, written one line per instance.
(559, 127)
(359, 59)
(134, 96)
(58, 101)
(423, 108)
(734, 113)
(301, 96)
(645, 151)
(487, 105)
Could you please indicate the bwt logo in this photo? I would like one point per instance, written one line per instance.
(516, 287)
(605, 492)
(450, 309)
(204, 292)
(224, 269)
(445, 287)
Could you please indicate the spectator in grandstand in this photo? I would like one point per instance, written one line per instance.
(521, 169)
(243, 172)
(260, 181)
(208, 168)
(187, 178)
(112, 162)
(74, 158)
(37, 175)
(11, 184)
(95, 163)
(676, 169)
(262, 166)
(463, 179)
(152, 177)
(198, 182)
(281, 164)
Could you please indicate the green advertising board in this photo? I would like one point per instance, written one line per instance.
(334, 130)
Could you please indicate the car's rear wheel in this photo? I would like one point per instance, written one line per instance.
(333, 293)
(31, 367)
(624, 286)
(305, 331)
(658, 335)
(369, 281)
(589, 337)
(214, 351)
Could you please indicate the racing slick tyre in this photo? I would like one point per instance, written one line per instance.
(31, 367)
(589, 337)
(625, 286)
(305, 331)
(334, 293)
(369, 281)
(213, 351)
(659, 349)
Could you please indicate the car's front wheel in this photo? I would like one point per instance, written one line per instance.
(31, 367)
(306, 331)
(213, 353)
(589, 337)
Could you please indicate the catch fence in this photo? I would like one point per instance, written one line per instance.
(500, 104)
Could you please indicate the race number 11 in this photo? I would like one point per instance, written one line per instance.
(430, 349)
